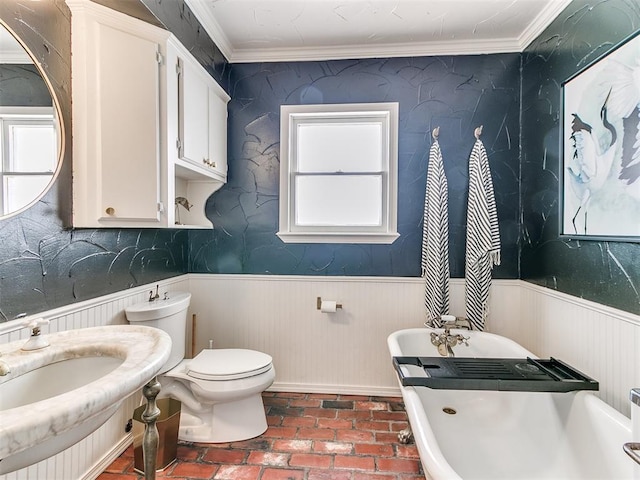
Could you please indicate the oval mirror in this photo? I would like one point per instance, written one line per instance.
(30, 131)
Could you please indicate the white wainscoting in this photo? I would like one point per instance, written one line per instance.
(88, 458)
(346, 352)
(600, 341)
(342, 352)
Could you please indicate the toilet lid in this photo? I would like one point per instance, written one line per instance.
(228, 364)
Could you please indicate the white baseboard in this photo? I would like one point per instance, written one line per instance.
(108, 458)
(371, 391)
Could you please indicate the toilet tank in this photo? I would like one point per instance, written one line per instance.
(168, 314)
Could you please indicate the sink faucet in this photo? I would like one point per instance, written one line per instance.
(445, 341)
(36, 340)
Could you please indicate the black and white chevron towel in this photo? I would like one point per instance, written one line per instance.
(483, 237)
(435, 240)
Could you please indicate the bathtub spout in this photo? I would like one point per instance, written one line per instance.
(446, 352)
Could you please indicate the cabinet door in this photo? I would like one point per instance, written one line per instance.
(128, 97)
(194, 114)
(218, 131)
(203, 119)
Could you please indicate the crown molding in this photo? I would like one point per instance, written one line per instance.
(204, 15)
(391, 50)
(374, 51)
(541, 22)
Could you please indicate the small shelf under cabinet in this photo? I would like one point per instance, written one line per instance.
(196, 188)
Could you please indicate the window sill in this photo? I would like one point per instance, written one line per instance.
(324, 237)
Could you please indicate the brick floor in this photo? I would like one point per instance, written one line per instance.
(310, 437)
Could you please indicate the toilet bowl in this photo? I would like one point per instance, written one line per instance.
(221, 394)
(220, 389)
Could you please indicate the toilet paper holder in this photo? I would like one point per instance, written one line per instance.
(319, 303)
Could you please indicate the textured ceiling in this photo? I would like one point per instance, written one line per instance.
(280, 30)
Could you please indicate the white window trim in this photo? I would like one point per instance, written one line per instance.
(22, 115)
(290, 116)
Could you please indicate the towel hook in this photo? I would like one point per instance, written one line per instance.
(435, 133)
(477, 132)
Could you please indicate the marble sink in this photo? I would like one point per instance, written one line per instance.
(55, 396)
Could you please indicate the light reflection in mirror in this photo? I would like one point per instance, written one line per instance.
(29, 130)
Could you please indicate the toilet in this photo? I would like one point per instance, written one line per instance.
(220, 389)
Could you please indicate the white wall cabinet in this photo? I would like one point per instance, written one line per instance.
(203, 118)
(134, 120)
(202, 133)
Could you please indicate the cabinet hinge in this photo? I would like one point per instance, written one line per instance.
(178, 144)
(160, 207)
(178, 68)
(159, 58)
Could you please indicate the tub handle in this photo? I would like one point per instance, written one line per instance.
(632, 450)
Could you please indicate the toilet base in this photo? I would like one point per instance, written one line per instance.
(225, 422)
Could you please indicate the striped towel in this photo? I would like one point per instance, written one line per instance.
(483, 237)
(435, 240)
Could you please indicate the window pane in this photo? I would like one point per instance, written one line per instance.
(19, 191)
(333, 147)
(338, 200)
(32, 148)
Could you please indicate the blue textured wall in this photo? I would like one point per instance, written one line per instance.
(605, 272)
(21, 85)
(43, 265)
(457, 93)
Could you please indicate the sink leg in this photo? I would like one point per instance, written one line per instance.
(151, 438)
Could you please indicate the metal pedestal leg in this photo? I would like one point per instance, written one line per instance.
(151, 438)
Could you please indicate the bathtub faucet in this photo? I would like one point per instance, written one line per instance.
(445, 341)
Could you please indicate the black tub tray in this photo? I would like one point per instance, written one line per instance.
(504, 374)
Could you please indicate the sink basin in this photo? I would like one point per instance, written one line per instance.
(56, 396)
(44, 382)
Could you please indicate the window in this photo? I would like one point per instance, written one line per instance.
(27, 153)
(338, 173)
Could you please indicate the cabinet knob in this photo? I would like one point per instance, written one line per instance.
(209, 163)
(110, 211)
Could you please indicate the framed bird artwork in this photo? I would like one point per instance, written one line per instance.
(600, 169)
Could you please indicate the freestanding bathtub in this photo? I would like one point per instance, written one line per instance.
(509, 435)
